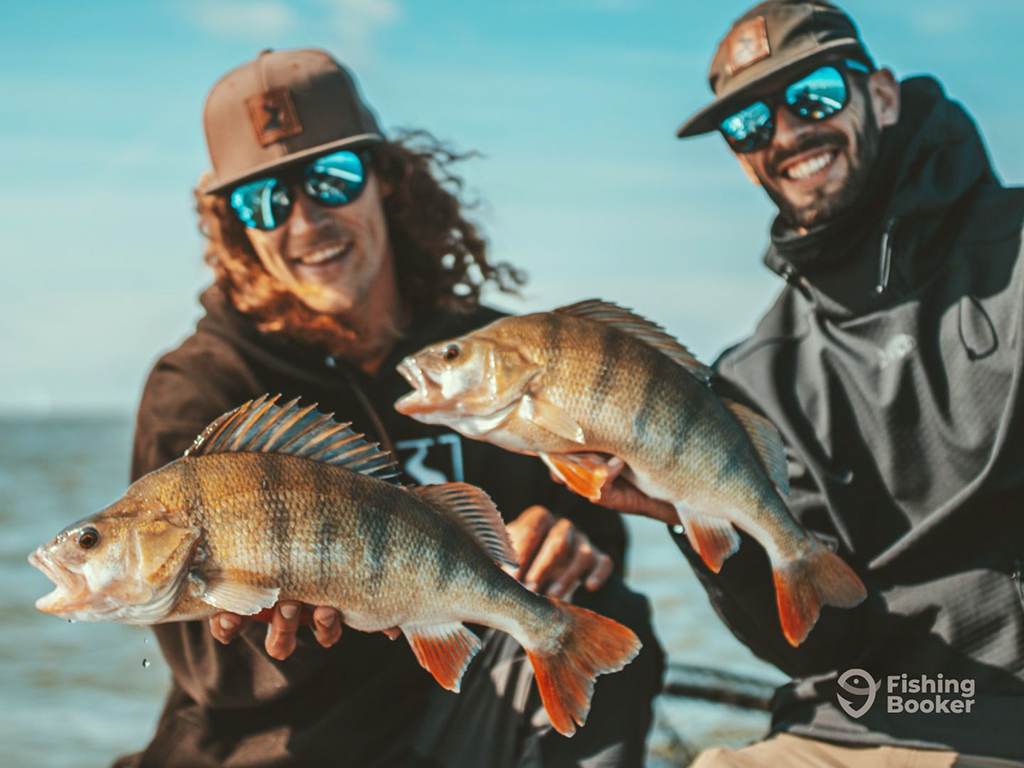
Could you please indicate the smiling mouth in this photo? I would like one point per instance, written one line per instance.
(322, 256)
(810, 166)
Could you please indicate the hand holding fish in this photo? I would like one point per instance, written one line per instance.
(284, 621)
(554, 555)
(618, 494)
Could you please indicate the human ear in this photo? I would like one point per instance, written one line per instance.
(884, 91)
(749, 170)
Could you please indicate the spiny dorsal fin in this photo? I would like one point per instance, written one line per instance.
(473, 511)
(766, 440)
(261, 426)
(652, 334)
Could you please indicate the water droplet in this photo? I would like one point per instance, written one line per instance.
(146, 639)
(72, 621)
(145, 664)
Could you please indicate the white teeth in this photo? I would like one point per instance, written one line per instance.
(810, 166)
(322, 255)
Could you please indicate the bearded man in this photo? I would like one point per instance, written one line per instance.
(335, 253)
(892, 364)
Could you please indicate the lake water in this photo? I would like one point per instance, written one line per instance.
(79, 695)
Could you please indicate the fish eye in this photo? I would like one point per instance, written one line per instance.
(88, 538)
(451, 352)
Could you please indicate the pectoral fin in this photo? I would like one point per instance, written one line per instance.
(444, 650)
(582, 473)
(552, 418)
(230, 593)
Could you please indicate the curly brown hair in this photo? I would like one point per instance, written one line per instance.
(440, 257)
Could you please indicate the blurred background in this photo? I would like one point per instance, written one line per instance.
(573, 105)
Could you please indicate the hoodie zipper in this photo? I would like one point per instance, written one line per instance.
(885, 261)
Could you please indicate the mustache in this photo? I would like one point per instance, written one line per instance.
(806, 143)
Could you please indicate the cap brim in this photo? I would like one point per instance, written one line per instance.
(219, 185)
(707, 118)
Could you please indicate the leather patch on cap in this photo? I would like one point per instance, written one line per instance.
(747, 44)
(273, 115)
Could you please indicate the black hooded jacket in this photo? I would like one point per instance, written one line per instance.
(891, 363)
(351, 704)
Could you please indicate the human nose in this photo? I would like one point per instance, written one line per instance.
(306, 215)
(788, 127)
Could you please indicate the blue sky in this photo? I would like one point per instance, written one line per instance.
(574, 104)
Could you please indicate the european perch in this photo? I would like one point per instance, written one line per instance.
(281, 503)
(589, 381)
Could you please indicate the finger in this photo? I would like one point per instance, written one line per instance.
(600, 573)
(613, 468)
(527, 533)
(225, 627)
(393, 633)
(554, 554)
(282, 630)
(326, 625)
(565, 582)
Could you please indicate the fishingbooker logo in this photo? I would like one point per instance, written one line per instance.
(905, 694)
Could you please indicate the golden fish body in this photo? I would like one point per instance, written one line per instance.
(238, 525)
(593, 380)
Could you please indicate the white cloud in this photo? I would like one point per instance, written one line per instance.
(243, 19)
(356, 23)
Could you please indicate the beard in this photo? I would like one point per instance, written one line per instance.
(826, 206)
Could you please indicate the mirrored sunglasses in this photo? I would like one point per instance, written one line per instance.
(331, 180)
(813, 97)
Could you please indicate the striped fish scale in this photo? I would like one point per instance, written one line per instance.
(280, 503)
(592, 381)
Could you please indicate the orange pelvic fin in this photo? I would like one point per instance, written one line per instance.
(714, 539)
(583, 473)
(444, 650)
(803, 586)
(594, 645)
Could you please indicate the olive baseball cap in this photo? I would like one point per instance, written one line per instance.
(767, 40)
(281, 107)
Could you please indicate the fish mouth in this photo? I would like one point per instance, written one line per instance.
(426, 395)
(70, 592)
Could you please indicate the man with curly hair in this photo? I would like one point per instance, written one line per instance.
(336, 252)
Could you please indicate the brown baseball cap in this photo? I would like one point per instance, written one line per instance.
(767, 40)
(281, 107)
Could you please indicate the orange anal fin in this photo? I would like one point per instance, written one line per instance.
(714, 539)
(444, 650)
(595, 645)
(582, 473)
(803, 586)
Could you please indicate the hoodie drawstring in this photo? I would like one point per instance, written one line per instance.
(885, 256)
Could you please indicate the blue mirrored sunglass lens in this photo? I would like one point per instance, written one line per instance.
(749, 128)
(819, 95)
(261, 204)
(335, 179)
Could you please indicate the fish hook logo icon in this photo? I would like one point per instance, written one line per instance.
(869, 690)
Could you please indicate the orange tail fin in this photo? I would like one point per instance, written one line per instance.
(803, 586)
(594, 645)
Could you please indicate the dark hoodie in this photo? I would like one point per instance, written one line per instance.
(353, 704)
(892, 364)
